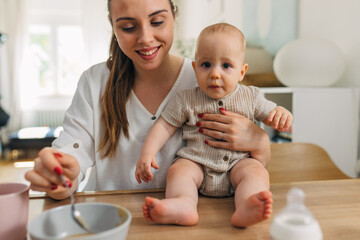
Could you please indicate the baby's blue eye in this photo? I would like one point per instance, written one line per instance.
(226, 65)
(206, 65)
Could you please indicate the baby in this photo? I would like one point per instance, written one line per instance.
(219, 66)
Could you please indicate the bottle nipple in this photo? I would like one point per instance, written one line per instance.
(295, 221)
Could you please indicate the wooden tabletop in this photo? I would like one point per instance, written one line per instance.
(334, 203)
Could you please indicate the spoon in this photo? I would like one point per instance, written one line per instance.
(75, 213)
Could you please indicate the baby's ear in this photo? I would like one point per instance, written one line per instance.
(243, 71)
(246, 67)
(193, 64)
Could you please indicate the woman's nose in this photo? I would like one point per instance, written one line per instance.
(146, 35)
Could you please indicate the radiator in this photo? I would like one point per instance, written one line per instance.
(42, 118)
(49, 118)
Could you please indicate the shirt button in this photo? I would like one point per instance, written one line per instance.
(220, 103)
(153, 118)
(76, 145)
(225, 158)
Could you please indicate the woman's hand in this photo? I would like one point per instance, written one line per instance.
(49, 164)
(237, 133)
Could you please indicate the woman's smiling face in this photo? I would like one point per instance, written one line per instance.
(144, 30)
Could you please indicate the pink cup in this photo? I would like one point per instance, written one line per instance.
(14, 210)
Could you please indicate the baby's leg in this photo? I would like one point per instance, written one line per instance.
(253, 200)
(180, 204)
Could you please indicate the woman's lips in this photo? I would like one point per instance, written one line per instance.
(148, 53)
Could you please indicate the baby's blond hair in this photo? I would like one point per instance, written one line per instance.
(222, 28)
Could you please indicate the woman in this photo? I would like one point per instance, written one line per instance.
(117, 102)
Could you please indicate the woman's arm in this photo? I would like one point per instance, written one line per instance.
(238, 134)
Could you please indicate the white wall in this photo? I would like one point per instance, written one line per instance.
(194, 15)
(337, 21)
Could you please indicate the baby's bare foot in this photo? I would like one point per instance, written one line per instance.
(170, 211)
(256, 208)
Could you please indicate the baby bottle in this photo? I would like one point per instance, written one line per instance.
(295, 221)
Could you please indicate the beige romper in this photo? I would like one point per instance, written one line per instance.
(183, 112)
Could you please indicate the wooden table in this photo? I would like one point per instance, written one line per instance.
(334, 203)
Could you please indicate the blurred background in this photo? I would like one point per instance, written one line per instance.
(45, 45)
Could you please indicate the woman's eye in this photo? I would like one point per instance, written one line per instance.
(206, 65)
(157, 23)
(226, 65)
(128, 29)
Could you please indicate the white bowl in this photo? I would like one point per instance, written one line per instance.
(108, 220)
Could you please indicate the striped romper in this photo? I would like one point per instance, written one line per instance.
(183, 112)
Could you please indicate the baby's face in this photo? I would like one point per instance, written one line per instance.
(219, 64)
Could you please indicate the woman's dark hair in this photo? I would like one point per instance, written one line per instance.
(116, 94)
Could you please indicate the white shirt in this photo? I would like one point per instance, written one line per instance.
(83, 131)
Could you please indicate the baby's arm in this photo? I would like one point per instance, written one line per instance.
(279, 118)
(155, 140)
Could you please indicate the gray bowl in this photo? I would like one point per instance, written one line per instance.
(108, 220)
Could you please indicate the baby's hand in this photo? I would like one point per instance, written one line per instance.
(280, 119)
(143, 167)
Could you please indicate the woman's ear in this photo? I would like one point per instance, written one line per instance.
(193, 64)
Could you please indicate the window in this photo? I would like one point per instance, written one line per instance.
(53, 67)
(55, 55)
